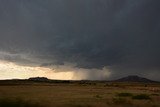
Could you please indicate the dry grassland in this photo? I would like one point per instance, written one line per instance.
(80, 95)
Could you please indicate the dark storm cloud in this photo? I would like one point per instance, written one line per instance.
(121, 34)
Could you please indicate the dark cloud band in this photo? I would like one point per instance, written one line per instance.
(123, 35)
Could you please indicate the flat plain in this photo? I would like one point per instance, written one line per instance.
(78, 94)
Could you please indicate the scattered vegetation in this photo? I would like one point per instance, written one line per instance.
(98, 96)
(141, 97)
(155, 94)
(124, 94)
(120, 101)
(74, 94)
(17, 103)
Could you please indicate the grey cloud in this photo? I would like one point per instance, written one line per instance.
(121, 34)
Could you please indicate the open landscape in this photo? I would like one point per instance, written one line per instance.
(55, 93)
(79, 53)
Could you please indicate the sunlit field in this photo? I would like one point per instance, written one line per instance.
(78, 94)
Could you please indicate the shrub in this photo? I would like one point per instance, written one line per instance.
(155, 94)
(98, 96)
(125, 94)
(17, 103)
(118, 100)
(141, 97)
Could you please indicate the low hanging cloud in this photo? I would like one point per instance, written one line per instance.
(120, 36)
(63, 72)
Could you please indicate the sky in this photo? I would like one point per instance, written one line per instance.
(79, 39)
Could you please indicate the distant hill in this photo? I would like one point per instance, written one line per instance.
(44, 79)
(131, 78)
(38, 79)
(134, 78)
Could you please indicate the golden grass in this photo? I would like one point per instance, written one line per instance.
(83, 95)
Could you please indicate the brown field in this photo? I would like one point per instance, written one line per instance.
(79, 94)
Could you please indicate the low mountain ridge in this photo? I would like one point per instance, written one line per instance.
(134, 78)
(38, 79)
